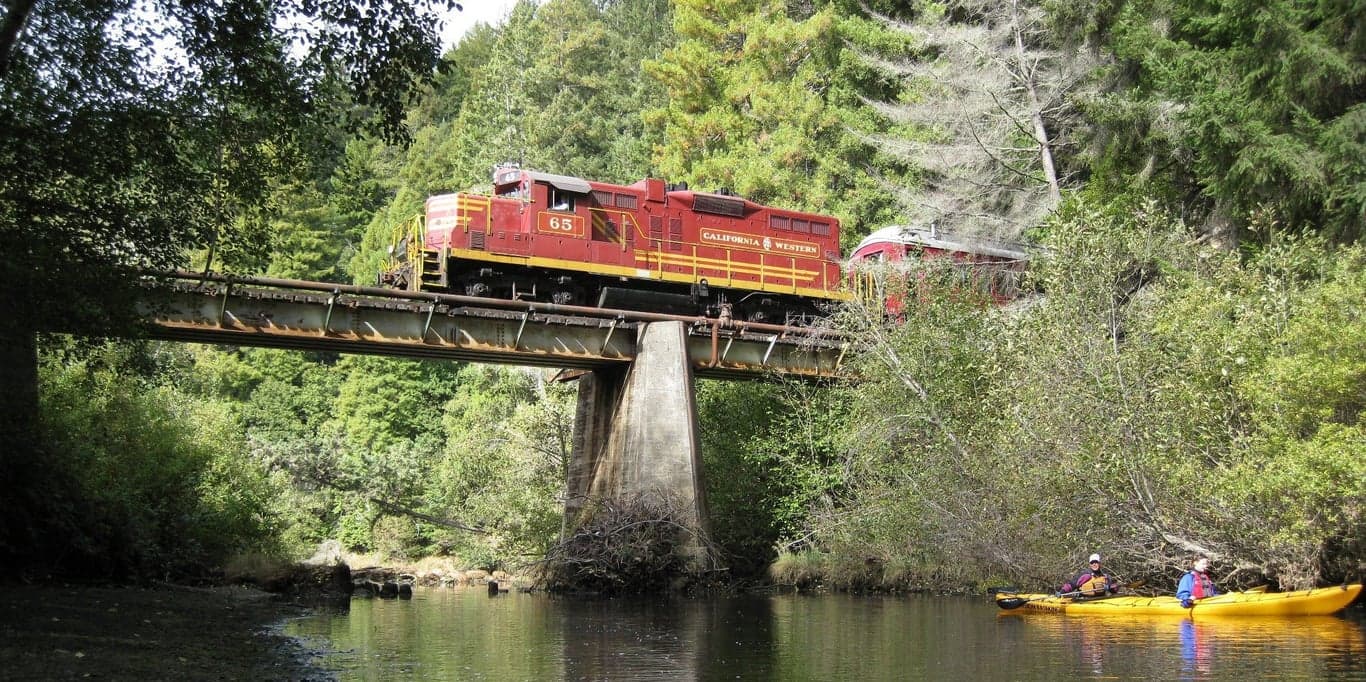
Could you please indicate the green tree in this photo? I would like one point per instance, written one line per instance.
(586, 88)
(1145, 404)
(766, 102)
(1235, 107)
(383, 401)
(458, 76)
(929, 492)
(133, 134)
(1282, 338)
(357, 438)
(143, 481)
(508, 443)
(770, 455)
(558, 88)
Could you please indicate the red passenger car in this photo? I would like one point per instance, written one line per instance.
(985, 265)
(644, 246)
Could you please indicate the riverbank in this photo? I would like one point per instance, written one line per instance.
(136, 633)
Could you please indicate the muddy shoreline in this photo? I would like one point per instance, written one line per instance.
(64, 632)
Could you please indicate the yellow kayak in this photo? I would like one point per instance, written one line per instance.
(1316, 602)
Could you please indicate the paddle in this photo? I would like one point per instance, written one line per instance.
(1012, 603)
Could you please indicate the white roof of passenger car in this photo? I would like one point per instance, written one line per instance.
(929, 237)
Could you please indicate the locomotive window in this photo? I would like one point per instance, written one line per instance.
(778, 222)
(512, 191)
(561, 200)
(801, 225)
(626, 201)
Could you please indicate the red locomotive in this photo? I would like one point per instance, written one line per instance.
(645, 246)
(989, 266)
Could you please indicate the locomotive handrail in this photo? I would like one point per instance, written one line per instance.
(417, 240)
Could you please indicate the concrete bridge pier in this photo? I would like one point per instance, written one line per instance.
(635, 435)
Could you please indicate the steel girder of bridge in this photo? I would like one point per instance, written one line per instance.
(367, 320)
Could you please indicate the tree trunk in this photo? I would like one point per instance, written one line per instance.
(16, 15)
(19, 457)
(18, 390)
(1026, 73)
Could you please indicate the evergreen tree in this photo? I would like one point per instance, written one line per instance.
(1236, 107)
(766, 102)
(558, 88)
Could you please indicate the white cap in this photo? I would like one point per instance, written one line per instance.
(1094, 557)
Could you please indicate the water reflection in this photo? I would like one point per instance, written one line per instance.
(466, 635)
(737, 635)
(1194, 647)
(643, 640)
(1321, 647)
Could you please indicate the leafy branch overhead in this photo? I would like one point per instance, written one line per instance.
(136, 133)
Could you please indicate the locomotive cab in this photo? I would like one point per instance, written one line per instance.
(508, 183)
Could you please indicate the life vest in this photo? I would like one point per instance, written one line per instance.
(1201, 586)
(1095, 586)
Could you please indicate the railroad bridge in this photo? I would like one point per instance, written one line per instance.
(635, 430)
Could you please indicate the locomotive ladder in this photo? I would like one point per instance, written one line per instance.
(432, 272)
(430, 265)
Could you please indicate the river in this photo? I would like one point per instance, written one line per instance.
(464, 634)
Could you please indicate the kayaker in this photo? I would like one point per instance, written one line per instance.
(1094, 581)
(1196, 584)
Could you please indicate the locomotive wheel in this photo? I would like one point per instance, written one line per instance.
(563, 291)
(764, 310)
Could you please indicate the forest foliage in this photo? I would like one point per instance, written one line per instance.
(1187, 372)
